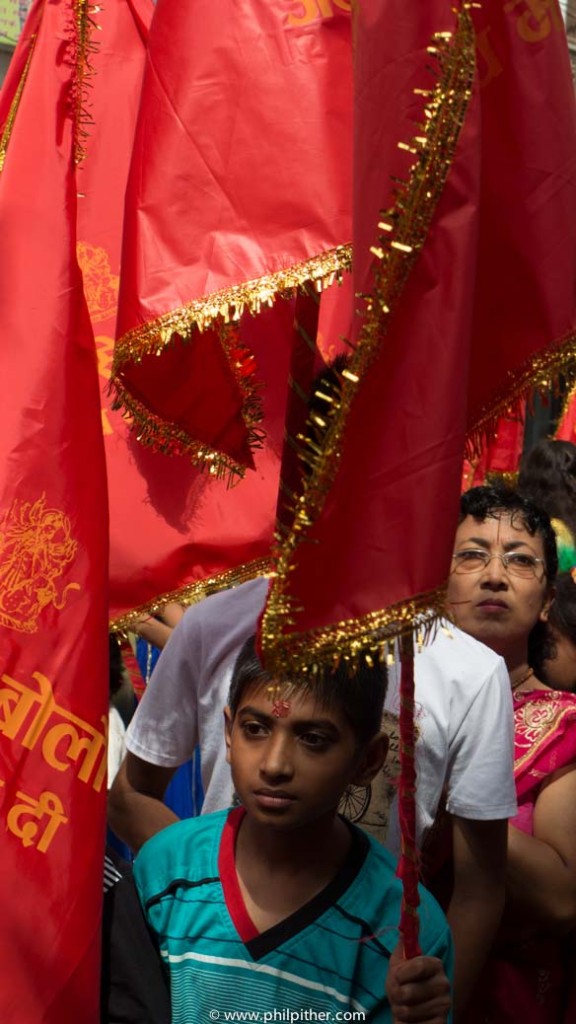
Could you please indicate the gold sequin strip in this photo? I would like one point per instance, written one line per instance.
(192, 593)
(85, 48)
(228, 305)
(540, 372)
(9, 125)
(367, 637)
(222, 309)
(159, 433)
(403, 230)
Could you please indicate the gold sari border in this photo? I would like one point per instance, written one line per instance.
(192, 593)
(403, 231)
(547, 722)
(9, 124)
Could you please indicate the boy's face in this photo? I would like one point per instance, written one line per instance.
(493, 603)
(292, 758)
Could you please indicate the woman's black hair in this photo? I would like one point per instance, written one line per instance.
(489, 502)
(561, 619)
(358, 694)
(548, 477)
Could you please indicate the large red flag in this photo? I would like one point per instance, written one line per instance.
(465, 194)
(239, 191)
(473, 299)
(173, 530)
(53, 535)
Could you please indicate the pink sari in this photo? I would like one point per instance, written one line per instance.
(529, 982)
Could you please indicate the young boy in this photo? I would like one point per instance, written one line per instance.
(280, 908)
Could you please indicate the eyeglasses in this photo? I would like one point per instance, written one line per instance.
(517, 563)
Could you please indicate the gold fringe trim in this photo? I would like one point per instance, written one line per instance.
(224, 309)
(228, 305)
(369, 637)
(160, 434)
(508, 477)
(403, 230)
(540, 372)
(165, 437)
(85, 48)
(192, 593)
(9, 125)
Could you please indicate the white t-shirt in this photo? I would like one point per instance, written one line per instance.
(116, 743)
(464, 715)
(183, 703)
(465, 744)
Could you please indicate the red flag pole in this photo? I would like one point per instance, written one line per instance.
(408, 865)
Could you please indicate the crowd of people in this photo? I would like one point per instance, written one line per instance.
(273, 899)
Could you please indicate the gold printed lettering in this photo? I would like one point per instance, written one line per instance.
(107, 427)
(535, 23)
(64, 741)
(47, 806)
(305, 11)
(308, 12)
(63, 744)
(492, 65)
(17, 700)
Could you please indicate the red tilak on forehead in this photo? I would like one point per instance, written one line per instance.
(281, 708)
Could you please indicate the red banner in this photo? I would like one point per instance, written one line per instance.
(172, 528)
(53, 511)
(501, 452)
(473, 225)
(239, 191)
(566, 430)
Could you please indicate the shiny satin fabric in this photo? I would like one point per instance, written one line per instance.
(239, 190)
(488, 299)
(53, 512)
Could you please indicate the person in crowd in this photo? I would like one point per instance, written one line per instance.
(553, 655)
(280, 902)
(500, 591)
(465, 751)
(116, 726)
(133, 988)
(548, 476)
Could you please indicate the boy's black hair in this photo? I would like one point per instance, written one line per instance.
(359, 695)
(490, 502)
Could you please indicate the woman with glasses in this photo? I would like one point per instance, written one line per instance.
(500, 590)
